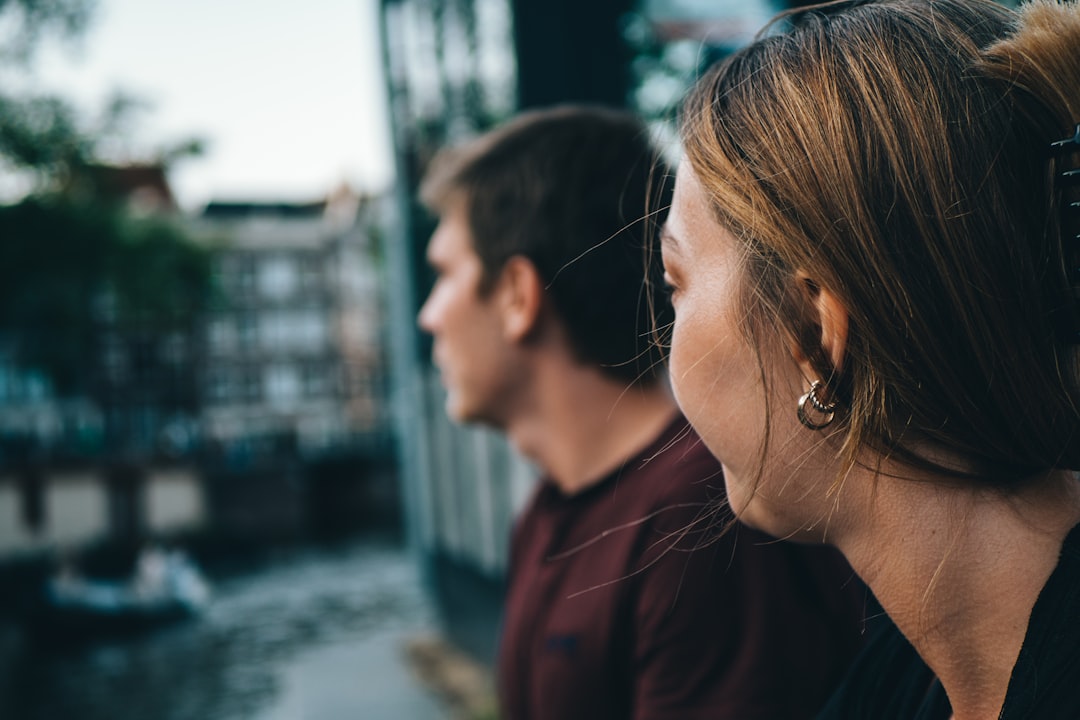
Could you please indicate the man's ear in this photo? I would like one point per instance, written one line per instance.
(521, 297)
(832, 317)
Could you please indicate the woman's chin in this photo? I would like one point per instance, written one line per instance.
(753, 511)
(741, 500)
(757, 515)
(747, 516)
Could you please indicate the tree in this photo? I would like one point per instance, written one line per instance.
(70, 269)
(28, 21)
(82, 278)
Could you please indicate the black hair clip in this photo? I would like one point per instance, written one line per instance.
(1068, 146)
(1069, 316)
(1062, 146)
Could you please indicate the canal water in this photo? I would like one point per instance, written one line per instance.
(311, 633)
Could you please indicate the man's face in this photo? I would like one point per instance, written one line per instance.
(470, 349)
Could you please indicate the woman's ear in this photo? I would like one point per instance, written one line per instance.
(832, 317)
(521, 296)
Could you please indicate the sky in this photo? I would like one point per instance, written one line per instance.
(288, 94)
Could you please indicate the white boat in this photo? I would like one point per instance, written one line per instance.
(165, 587)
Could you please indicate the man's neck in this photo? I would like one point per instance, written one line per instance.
(580, 424)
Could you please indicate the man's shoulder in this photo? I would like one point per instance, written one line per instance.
(676, 468)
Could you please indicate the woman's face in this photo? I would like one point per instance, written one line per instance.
(717, 375)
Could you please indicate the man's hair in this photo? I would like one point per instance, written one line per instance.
(578, 191)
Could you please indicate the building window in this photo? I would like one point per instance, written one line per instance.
(293, 331)
(236, 276)
(283, 385)
(279, 278)
(174, 349)
(316, 378)
(247, 331)
(311, 279)
(250, 385)
(116, 360)
(222, 336)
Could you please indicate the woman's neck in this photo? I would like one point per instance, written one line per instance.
(959, 572)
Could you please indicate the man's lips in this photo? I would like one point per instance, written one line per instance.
(437, 362)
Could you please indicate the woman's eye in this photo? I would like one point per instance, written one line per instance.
(670, 288)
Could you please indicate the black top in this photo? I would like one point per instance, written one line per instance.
(890, 680)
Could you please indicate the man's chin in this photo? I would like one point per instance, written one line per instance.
(458, 411)
(464, 414)
(452, 409)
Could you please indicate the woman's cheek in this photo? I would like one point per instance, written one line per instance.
(676, 364)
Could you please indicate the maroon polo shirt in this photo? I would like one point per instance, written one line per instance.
(623, 603)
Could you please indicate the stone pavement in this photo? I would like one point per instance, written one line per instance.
(356, 681)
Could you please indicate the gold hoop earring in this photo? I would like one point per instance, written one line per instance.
(811, 398)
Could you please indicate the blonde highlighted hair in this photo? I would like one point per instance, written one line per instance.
(896, 152)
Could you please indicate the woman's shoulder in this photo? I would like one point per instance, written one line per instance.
(1046, 679)
(887, 680)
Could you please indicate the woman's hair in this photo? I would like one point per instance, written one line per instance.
(897, 153)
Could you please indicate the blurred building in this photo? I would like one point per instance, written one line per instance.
(293, 421)
(33, 417)
(455, 68)
(451, 70)
(103, 457)
(293, 342)
(269, 405)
